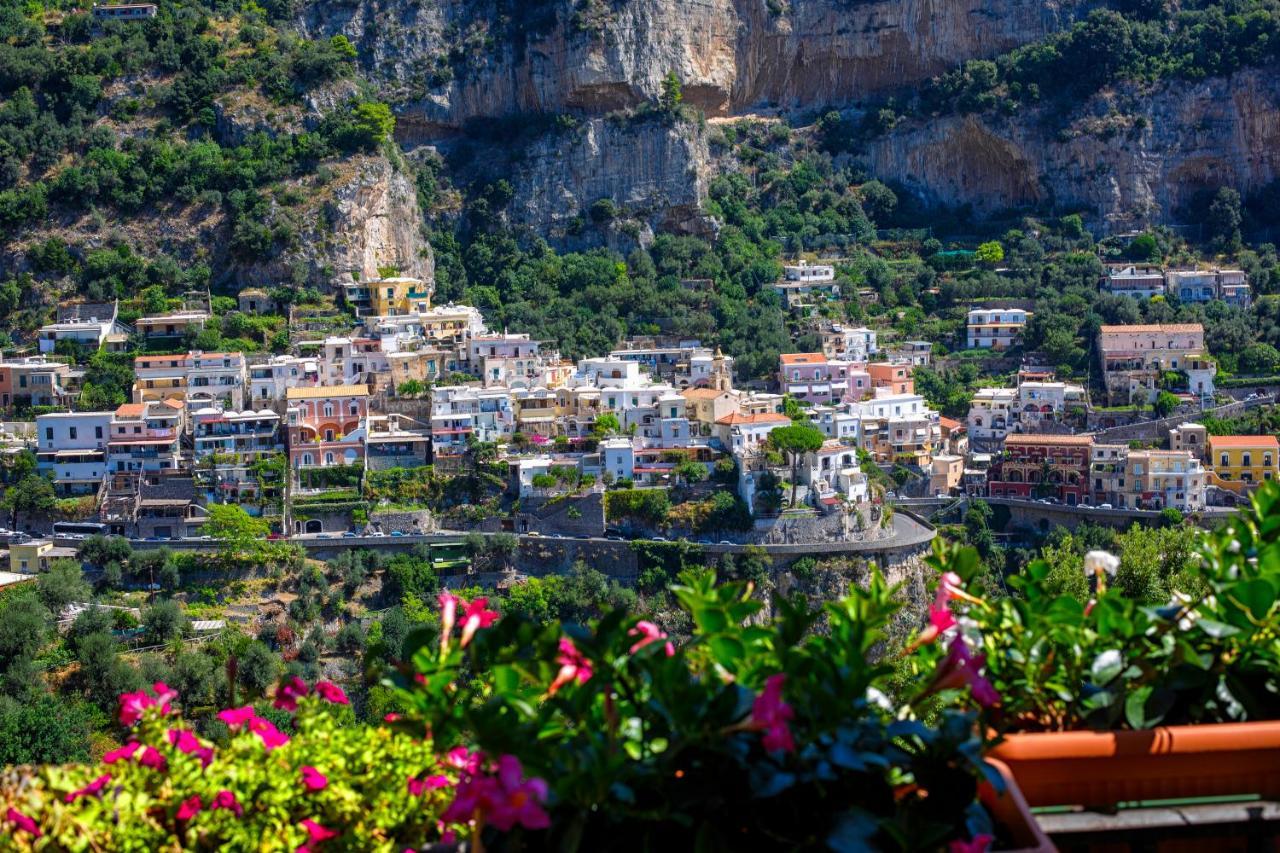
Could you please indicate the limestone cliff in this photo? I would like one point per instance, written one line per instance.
(654, 172)
(1127, 158)
(452, 61)
(364, 218)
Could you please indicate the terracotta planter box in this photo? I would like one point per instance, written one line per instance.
(1012, 815)
(1105, 768)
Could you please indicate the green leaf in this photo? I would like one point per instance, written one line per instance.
(727, 650)
(1257, 596)
(1107, 666)
(1217, 630)
(853, 832)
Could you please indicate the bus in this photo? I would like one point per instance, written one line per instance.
(78, 529)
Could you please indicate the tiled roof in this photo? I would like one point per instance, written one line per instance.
(1050, 440)
(701, 393)
(1161, 328)
(1219, 441)
(131, 410)
(803, 358)
(323, 391)
(755, 420)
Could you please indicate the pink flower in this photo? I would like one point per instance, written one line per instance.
(190, 808)
(979, 844)
(649, 633)
(770, 715)
(23, 822)
(224, 799)
(133, 704)
(464, 759)
(418, 787)
(520, 800)
(152, 758)
(390, 717)
(959, 668)
(123, 753)
(290, 692)
(270, 735)
(476, 616)
(573, 666)
(504, 798)
(313, 780)
(448, 616)
(317, 833)
(330, 692)
(236, 717)
(188, 743)
(93, 789)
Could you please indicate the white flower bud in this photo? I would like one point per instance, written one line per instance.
(1101, 561)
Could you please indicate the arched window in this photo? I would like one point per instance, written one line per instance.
(308, 459)
(328, 459)
(328, 410)
(1247, 460)
(355, 407)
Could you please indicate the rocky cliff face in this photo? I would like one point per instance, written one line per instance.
(365, 218)
(456, 60)
(1128, 159)
(654, 172)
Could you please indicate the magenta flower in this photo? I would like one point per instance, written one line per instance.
(316, 833)
(330, 692)
(289, 693)
(236, 717)
(224, 799)
(189, 808)
(188, 743)
(520, 800)
(958, 669)
(463, 759)
(979, 844)
(133, 704)
(648, 633)
(573, 666)
(503, 799)
(390, 717)
(93, 789)
(770, 715)
(123, 753)
(313, 780)
(270, 735)
(418, 787)
(23, 822)
(153, 759)
(476, 616)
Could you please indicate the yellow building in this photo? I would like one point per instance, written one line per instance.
(37, 556)
(1240, 461)
(385, 297)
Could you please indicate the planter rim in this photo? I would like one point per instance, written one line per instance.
(1162, 740)
(1010, 809)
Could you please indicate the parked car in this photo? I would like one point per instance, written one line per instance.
(1105, 506)
(534, 533)
(724, 542)
(348, 534)
(397, 533)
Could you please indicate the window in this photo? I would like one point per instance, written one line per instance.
(1266, 460)
(71, 433)
(328, 410)
(97, 432)
(48, 433)
(1224, 460)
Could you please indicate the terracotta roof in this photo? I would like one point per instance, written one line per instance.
(766, 418)
(131, 410)
(950, 424)
(321, 392)
(803, 358)
(172, 403)
(701, 393)
(1050, 440)
(1161, 328)
(1244, 441)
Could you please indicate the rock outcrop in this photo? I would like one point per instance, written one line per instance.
(453, 61)
(363, 219)
(1128, 159)
(655, 173)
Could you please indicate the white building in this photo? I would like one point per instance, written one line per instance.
(1134, 281)
(991, 414)
(72, 449)
(618, 457)
(89, 324)
(805, 271)
(996, 328)
(1047, 400)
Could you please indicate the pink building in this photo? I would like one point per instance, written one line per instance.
(327, 425)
